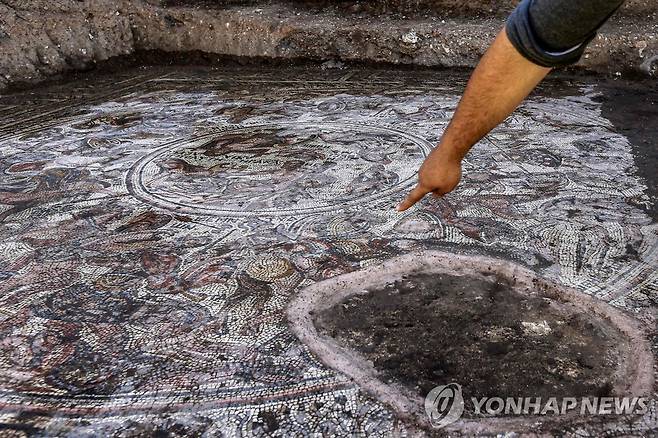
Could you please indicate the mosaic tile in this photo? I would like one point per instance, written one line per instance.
(154, 225)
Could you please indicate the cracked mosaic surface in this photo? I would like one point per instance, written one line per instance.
(154, 224)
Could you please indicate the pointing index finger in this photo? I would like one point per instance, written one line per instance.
(414, 196)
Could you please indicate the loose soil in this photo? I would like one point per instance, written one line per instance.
(632, 108)
(427, 329)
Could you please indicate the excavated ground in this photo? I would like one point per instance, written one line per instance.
(40, 39)
(428, 330)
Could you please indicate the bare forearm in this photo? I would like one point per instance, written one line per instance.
(544, 33)
(500, 82)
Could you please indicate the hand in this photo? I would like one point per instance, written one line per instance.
(502, 79)
(439, 174)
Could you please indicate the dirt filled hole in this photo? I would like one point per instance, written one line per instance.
(432, 329)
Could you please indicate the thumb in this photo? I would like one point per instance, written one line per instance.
(414, 196)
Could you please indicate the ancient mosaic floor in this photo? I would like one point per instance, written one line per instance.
(154, 225)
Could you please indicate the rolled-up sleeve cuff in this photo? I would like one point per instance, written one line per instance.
(523, 37)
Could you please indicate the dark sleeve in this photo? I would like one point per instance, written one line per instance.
(553, 33)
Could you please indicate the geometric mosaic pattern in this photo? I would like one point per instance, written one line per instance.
(155, 224)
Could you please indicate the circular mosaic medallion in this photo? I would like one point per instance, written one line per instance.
(278, 169)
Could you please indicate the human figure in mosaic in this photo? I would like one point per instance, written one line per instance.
(539, 35)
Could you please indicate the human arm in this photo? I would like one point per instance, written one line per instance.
(540, 34)
(502, 79)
